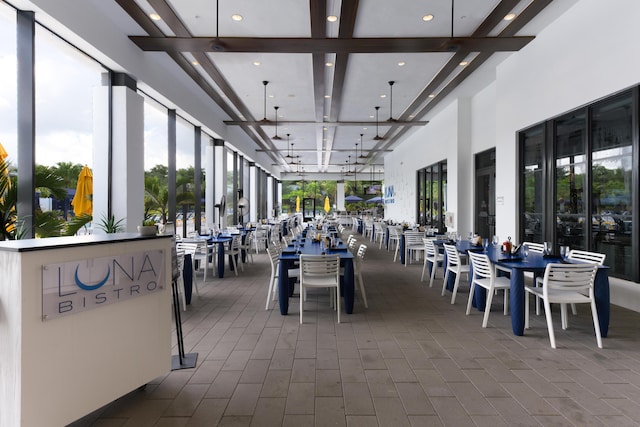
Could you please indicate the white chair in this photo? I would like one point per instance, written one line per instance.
(413, 245)
(454, 265)
(247, 245)
(274, 260)
(565, 284)
(381, 229)
(320, 271)
(368, 229)
(585, 256)
(484, 275)
(204, 252)
(433, 256)
(394, 239)
(353, 243)
(260, 239)
(358, 264)
(190, 249)
(236, 253)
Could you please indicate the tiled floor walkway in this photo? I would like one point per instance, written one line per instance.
(410, 359)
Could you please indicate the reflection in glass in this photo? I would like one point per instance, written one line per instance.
(571, 227)
(533, 149)
(611, 132)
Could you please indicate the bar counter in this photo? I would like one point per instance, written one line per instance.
(83, 321)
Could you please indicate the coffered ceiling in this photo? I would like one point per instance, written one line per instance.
(370, 77)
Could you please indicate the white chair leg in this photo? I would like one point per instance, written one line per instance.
(444, 284)
(434, 267)
(364, 294)
(487, 309)
(547, 313)
(338, 302)
(574, 310)
(526, 310)
(563, 315)
(506, 302)
(471, 290)
(455, 288)
(596, 323)
(271, 282)
(301, 304)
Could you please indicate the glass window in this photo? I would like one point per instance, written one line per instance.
(184, 176)
(611, 130)
(156, 160)
(66, 80)
(8, 88)
(533, 209)
(231, 197)
(571, 227)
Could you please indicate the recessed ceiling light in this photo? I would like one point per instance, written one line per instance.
(194, 62)
(509, 16)
(463, 63)
(432, 95)
(291, 95)
(257, 63)
(329, 64)
(364, 128)
(383, 96)
(236, 17)
(271, 95)
(332, 18)
(401, 64)
(154, 16)
(327, 96)
(371, 116)
(427, 18)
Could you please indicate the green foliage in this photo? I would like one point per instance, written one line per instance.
(110, 225)
(76, 223)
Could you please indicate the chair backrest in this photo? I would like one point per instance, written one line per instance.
(352, 244)
(188, 248)
(481, 265)
(413, 237)
(591, 257)
(570, 277)
(277, 245)
(236, 242)
(361, 251)
(534, 247)
(274, 256)
(313, 266)
(452, 254)
(429, 247)
(394, 231)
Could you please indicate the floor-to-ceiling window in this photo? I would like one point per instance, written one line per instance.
(184, 176)
(431, 195)
(577, 181)
(156, 158)
(8, 88)
(485, 189)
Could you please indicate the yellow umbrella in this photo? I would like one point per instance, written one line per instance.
(3, 153)
(83, 200)
(327, 206)
(297, 203)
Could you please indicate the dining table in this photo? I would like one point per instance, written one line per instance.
(290, 256)
(536, 263)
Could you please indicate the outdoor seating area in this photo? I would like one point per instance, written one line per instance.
(402, 354)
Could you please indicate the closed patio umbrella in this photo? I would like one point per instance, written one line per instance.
(3, 153)
(83, 200)
(327, 206)
(297, 203)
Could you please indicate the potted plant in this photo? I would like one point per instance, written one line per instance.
(148, 227)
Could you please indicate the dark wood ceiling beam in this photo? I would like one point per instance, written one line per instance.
(331, 45)
(323, 124)
(318, 16)
(177, 26)
(496, 16)
(348, 13)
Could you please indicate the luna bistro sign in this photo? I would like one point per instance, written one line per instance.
(76, 286)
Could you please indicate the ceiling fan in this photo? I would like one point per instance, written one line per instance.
(276, 137)
(377, 137)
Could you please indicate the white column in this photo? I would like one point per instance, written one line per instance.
(279, 196)
(209, 192)
(269, 196)
(253, 193)
(340, 195)
(220, 175)
(127, 175)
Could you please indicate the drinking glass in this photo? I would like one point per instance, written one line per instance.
(525, 250)
(564, 252)
(547, 248)
(495, 240)
(485, 244)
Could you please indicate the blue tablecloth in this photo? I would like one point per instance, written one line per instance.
(289, 257)
(536, 264)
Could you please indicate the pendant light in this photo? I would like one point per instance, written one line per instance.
(362, 156)
(289, 153)
(276, 137)
(377, 137)
(391, 119)
(356, 162)
(264, 109)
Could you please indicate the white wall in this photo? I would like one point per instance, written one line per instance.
(584, 55)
